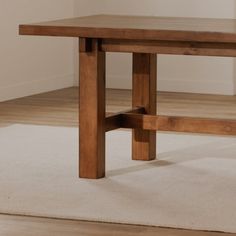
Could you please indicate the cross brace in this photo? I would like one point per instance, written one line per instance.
(137, 119)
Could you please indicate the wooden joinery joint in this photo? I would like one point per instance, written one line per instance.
(85, 45)
(115, 121)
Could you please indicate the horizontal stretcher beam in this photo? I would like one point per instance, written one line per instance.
(169, 47)
(172, 123)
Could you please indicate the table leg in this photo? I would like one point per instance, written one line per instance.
(92, 110)
(144, 95)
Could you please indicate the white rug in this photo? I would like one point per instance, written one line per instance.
(192, 185)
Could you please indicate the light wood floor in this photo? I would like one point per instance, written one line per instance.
(60, 108)
(32, 226)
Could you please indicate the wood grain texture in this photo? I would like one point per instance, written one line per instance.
(179, 124)
(60, 107)
(170, 47)
(138, 27)
(144, 95)
(92, 112)
(33, 226)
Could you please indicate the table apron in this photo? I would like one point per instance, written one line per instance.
(169, 47)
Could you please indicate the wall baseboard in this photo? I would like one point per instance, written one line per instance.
(36, 86)
(178, 85)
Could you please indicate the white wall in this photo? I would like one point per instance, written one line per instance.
(175, 73)
(30, 65)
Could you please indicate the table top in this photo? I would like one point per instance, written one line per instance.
(138, 27)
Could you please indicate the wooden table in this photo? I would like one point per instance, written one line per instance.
(144, 37)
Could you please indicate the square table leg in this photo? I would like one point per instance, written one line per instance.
(144, 95)
(92, 110)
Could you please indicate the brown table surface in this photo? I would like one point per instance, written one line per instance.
(138, 27)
